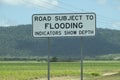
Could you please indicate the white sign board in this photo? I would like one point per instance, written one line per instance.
(68, 24)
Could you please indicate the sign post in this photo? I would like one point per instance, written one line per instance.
(64, 25)
(81, 57)
(48, 58)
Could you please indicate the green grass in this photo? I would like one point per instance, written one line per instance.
(34, 70)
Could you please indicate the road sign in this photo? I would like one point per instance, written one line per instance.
(65, 24)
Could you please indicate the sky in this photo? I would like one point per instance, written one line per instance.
(18, 12)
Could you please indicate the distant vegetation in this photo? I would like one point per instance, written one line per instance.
(17, 42)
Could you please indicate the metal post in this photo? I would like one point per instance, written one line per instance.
(81, 57)
(48, 58)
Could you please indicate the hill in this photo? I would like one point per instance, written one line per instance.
(17, 41)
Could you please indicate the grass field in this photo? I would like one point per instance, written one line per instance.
(28, 70)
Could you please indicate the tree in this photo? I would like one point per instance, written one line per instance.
(54, 59)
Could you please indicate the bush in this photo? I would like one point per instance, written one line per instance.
(95, 74)
(54, 59)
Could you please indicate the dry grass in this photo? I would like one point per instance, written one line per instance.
(61, 78)
(109, 76)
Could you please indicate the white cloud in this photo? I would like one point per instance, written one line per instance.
(42, 3)
(116, 26)
(12, 2)
(32, 3)
(5, 24)
(102, 2)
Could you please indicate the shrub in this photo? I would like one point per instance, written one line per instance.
(95, 74)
